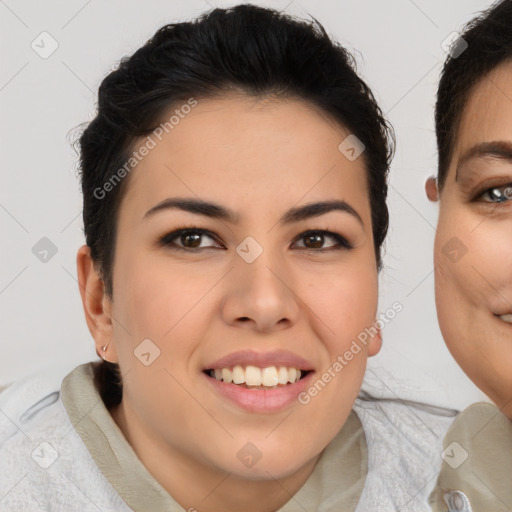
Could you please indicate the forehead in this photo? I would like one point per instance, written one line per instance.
(240, 148)
(487, 115)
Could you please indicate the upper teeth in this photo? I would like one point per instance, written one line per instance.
(507, 318)
(254, 376)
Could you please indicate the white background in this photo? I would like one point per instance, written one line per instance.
(399, 53)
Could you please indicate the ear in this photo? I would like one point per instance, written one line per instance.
(431, 189)
(97, 306)
(375, 343)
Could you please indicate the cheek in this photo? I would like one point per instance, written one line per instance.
(473, 259)
(158, 301)
(156, 292)
(158, 309)
(490, 254)
(473, 281)
(453, 254)
(455, 289)
(346, 302)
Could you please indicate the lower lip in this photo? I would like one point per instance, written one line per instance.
(261, 400)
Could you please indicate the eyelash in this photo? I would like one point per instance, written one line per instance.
(502, 188)
(168, 239)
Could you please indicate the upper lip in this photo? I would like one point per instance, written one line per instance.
(261, 360)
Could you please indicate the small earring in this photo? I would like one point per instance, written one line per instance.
(104, 348)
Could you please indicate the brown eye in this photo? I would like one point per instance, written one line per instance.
(190, 239)
(315, 240)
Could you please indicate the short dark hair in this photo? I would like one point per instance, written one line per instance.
(247, 49)
(489, 43)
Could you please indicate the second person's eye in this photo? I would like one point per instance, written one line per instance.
(497, 194)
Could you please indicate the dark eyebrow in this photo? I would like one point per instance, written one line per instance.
(316, 209)
(495, 149)
(215, 211)
(197, 206)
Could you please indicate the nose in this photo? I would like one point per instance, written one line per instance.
(260, 295)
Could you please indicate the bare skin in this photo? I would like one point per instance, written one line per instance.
(473, 247)
(201, 303)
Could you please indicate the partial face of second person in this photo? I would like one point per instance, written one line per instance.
(473, 247)
(207, 306)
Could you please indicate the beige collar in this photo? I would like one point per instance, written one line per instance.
(476, 475)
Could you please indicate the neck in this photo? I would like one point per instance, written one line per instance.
(195, 485)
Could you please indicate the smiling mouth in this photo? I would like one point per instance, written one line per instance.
(253, 377)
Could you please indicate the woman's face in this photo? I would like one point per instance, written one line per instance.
(473, 247)
(261, 286)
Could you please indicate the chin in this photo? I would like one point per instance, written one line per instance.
(267, 468)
